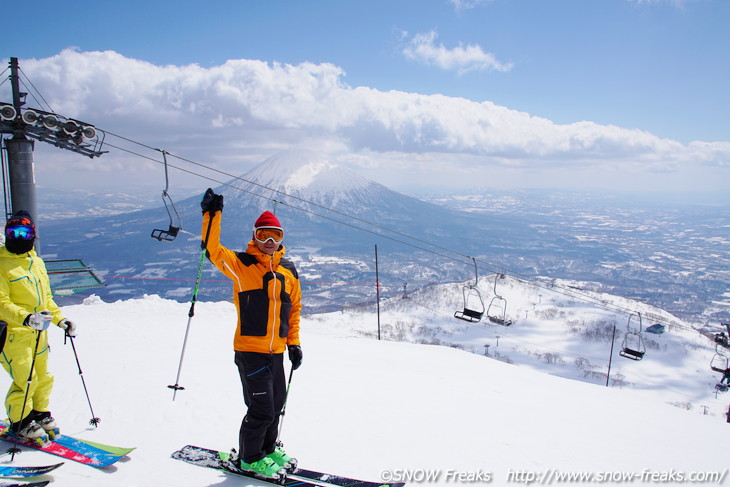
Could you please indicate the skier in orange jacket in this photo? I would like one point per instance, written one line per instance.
(267, 295)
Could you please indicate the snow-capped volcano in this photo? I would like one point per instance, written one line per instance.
(333, 219)
(305, 173)
(296, 177)
(326, 208)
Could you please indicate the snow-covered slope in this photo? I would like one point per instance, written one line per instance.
(556, 329)
(358, 406)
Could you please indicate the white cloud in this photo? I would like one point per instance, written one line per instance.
(676, 3)
(460, 5)
(422, 48)
(242, 111)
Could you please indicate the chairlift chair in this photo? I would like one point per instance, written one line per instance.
(171, 233)
(473, 306)
(719, 362)
(473, 302)
(497, 310)
(722, 337)
(633, 345)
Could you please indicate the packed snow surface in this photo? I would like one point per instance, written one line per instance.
(359, 406)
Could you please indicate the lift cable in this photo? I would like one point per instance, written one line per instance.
(285, 203)
(523, 278)
(48, 105)
(462, 258)
(341, 213)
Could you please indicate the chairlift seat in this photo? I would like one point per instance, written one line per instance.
(500, 321)
(469, 315)
(632, 354)
(165, 235)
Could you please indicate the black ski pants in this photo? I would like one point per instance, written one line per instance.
(264, 391)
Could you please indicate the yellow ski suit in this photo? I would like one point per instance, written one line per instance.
(266, 291)
(25, 289)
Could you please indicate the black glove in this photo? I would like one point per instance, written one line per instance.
(211, 202)
(295, 355)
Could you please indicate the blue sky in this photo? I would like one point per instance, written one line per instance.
(655, 70)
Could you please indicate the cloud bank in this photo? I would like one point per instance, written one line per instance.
(244, 110)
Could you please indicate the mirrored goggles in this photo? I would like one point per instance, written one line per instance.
(23, 232)
(264, 234)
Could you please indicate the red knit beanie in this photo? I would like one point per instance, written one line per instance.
(267, 219)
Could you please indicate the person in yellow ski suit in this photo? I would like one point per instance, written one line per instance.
(27, 305)
(267, 294)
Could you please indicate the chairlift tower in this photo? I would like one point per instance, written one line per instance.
(19, 129)
(27, 125)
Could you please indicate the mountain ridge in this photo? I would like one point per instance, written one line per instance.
(334, 224)
(341, 221)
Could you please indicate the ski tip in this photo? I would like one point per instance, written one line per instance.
(27, 471)
(27, 484)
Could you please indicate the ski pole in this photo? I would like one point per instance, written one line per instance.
(15, 449)
(177, 387)
(283, 408)
(94, 419)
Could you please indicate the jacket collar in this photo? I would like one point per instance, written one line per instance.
(6, 254)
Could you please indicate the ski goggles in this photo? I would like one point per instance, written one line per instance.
(264, 234)
(22, 232)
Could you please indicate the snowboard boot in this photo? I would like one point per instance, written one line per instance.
(27, 429)
(280, 457)
(265, 468)
(47, 422)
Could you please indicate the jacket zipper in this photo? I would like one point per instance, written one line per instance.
(35, 282)
(273, 319)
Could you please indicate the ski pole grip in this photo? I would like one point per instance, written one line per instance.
(204, 243)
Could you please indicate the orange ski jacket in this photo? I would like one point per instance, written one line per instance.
(266, 291)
